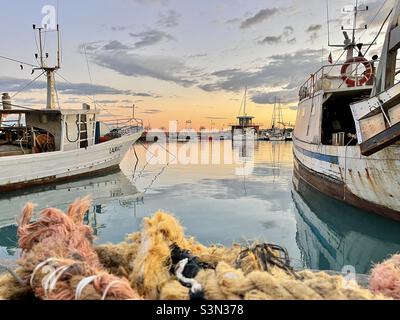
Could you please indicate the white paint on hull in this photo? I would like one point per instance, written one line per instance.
(62, 164)
(375, 179)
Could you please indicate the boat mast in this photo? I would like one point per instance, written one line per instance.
(349, 43)
(245, 98)
(51, 102)
(386, 73)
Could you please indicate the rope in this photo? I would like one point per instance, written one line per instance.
(136, 164)
(82, 285)
(14, 274)
(379, 32)
(90, 75)
(195, 286)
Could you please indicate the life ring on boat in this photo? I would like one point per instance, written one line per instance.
(366, 76)
(44, 143)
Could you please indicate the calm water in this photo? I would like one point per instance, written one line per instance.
(218, 204)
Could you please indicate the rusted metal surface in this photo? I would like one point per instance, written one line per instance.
(338, 190)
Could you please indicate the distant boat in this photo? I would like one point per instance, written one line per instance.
(48, 145)
(346, 140)
(288, 135)
(245, 129)
(276, 134)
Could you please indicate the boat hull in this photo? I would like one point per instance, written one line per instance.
(371, 184)
(19, 172)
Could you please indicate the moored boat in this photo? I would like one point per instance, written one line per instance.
(353, 159)
(39, 146)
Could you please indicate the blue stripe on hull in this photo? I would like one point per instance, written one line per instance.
(318, 156)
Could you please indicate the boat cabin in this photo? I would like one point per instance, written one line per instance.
(29, 131)
(324, 112)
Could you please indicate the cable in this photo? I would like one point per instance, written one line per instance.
(21, 62)
(90, 75)
(28, 84)
(104, 108)
(379, 32)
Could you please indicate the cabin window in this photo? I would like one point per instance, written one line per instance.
(303, 111)
(338, 126)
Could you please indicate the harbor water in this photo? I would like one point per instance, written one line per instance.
(249, 197)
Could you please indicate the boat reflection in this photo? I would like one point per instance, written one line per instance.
(332, 235)
(103, 190)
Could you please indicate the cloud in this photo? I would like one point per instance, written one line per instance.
(107, 101)
(282, 71)
(198, 55)
(169, 19)
(271, 40)
(10, 84)
(130, 64)
(118, 28)
(216, 118)
(233, 21)
(314, 28)
(284, 96)
(150, 37)
(288, 31)
(259, 17)
(287, 34)
(153, 2)
(115, 45)
(152, 111)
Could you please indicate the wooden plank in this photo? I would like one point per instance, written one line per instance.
(386, 106)
(381, 140)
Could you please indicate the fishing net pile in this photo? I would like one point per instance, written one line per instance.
(59, 261)
(385, 277)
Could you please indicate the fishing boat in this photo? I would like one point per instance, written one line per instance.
(288, 135)
(245, 129)
(348, 125)
(39, 146)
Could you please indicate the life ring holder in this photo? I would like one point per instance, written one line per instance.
(367, 75)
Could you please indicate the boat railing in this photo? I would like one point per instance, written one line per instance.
(120, 123)
(330, 77)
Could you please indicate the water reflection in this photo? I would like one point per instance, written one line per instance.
(104, 190)
(331, 234)
(218, 203)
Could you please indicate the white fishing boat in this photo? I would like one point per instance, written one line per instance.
(53, 144)
(353, 159)
(245, 129)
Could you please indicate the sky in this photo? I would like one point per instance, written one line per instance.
(179, 59)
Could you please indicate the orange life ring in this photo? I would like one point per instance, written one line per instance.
(366, 76)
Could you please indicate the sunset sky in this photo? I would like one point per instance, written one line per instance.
(179, 59)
